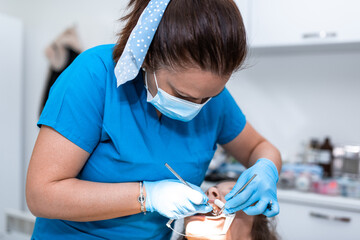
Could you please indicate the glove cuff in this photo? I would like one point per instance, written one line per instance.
(148, 205)
(271, 165)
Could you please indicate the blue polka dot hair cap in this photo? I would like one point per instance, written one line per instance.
(137, 46)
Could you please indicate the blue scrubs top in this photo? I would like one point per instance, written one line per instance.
(128, 142)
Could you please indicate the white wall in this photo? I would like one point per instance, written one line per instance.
(97, 22)
(11, 104)
(291, 97)
(287, 97)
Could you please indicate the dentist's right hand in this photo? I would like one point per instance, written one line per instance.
(175, 200)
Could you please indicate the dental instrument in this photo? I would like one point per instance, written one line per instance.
(221, 205)
(184, 182)
(177, 175)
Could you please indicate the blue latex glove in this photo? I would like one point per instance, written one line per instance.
(175, 200)
(262, 191)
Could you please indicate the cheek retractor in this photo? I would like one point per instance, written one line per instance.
(220, 205)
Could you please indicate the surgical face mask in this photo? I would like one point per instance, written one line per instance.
(173, 107)
(228, 221)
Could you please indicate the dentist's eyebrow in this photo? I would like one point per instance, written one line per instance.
(191, 97)
(184, 94)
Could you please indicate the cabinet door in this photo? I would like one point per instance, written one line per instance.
(299, 222)
(304, 22)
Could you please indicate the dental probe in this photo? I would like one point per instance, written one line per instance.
(221, 205)
(178, 176)
(184, 182)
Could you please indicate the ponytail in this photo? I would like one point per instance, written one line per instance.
(132, 18)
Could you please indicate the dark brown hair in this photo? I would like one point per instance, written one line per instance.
(205, 34)
(263, 229)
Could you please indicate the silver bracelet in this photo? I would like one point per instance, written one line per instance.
(141, 198)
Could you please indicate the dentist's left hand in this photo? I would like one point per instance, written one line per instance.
(174, 200)
(261, 191)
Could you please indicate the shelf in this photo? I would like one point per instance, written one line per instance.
(304, 49)
(313, 199)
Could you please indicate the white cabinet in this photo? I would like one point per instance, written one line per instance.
(303, 22)
(299, 222)
(311, 216)
(11, 175)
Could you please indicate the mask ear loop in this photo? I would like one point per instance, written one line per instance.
(146, 80)
(157, 87)
(229, 219)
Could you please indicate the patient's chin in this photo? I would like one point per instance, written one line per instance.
(197, 227)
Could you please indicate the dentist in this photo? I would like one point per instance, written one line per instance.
(120, 112)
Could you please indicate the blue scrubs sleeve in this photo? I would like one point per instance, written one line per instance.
(76, 102)
(233, 119)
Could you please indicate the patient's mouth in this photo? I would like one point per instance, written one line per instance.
(216, 209)
(209, 214)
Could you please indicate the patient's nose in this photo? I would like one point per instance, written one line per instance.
(213, 193)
